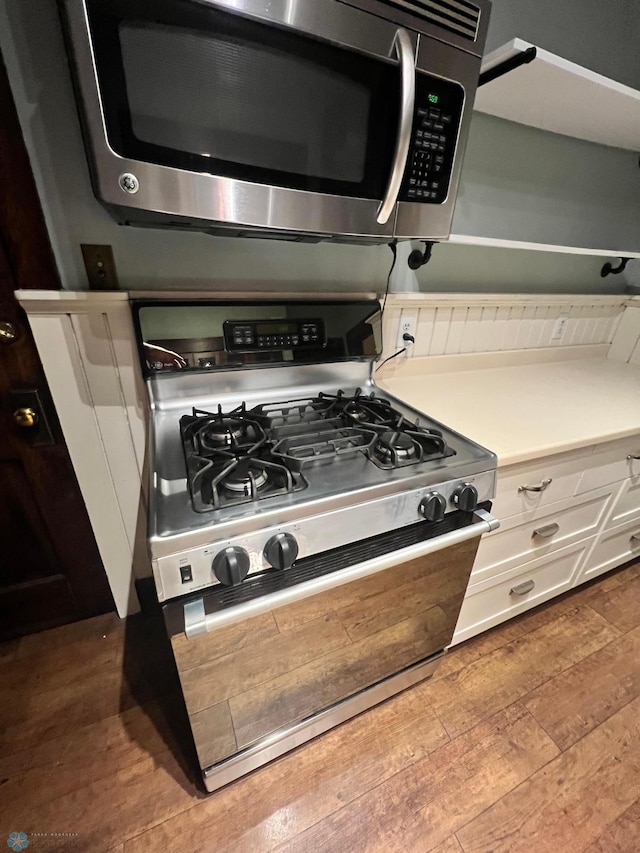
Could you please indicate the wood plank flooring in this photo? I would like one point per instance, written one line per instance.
(527, 738)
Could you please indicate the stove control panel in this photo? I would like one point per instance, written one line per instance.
(261, 335)
(229, 561)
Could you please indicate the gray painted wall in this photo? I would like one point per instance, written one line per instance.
(31, 43)
(521, 183)
(602, 35)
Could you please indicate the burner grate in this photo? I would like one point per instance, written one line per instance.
(396, 449)
(245, 455)
(314, 447)
(229, 460)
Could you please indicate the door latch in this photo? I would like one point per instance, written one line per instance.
(30, 416)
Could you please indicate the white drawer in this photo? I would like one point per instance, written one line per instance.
(555, 478)
(614, 548)
(610, 464)
(544, 530)
(627, 506)
(488, 604)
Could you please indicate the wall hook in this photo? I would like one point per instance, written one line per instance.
(608, 269)
(418, 259)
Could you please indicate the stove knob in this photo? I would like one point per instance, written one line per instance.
(231, 566)
(433, 507)
(465, 497)
(281, 551)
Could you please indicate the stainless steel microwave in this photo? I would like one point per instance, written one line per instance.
(300, 119)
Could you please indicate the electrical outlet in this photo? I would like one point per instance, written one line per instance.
(558, 329)
(100, 267)
(407, 326)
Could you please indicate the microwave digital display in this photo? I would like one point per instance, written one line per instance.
(436, 121)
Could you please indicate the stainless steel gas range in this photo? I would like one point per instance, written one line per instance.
(311, 537)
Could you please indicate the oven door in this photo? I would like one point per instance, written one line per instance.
(285, 656)
(281, 116)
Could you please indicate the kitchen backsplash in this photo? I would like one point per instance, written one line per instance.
(462, 323)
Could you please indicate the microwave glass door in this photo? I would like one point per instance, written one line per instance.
(196, 87)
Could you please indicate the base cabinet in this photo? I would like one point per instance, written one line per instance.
(514, 592)
(565, 520)
(613, 548)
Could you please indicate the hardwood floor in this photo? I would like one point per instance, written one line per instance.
(527, 738)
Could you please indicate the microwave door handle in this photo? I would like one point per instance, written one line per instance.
(404, 50)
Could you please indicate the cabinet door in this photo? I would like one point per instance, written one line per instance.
(615, 547)
(543, 531)
(532, 485)
(513, 592)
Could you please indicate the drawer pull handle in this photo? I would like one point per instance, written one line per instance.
(635, 539)
(633, 456)
(543, 485)
(522, 588)
(547, 531)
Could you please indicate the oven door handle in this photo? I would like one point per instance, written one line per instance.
(197, 621)
(404, 50)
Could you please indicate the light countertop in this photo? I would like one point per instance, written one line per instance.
(524, 405)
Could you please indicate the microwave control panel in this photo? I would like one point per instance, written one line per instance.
(261, 335)
(434, 136)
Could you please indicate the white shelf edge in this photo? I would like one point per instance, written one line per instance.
(516, 46)
(497, 243)
(570, 77)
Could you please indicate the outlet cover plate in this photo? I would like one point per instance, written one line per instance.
(407, 325)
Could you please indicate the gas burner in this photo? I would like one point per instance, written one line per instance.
(235, 431)
(247, 478)
(227, 432)
(229, 460)
(409, 445)
(359, 408)
(396, 448)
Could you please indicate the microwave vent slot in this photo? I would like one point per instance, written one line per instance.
(457, 16)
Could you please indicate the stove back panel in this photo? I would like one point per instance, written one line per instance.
(207, 336)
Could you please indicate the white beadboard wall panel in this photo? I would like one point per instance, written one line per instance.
(627, 334)
(95, 346)
(57, 344)
(440, 331)
(87, 347)
(486, 328)
(125, 359)
(426, 323)
(471, 330)
(461, 323)
(456, 330)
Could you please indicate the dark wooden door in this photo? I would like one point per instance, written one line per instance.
(50, 568)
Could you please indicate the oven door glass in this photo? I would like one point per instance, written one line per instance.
(196, 87)
(259, 676)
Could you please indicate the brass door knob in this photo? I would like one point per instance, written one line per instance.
(25, 417)
(8, 332)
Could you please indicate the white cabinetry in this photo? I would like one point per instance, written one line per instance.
(565, 519)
